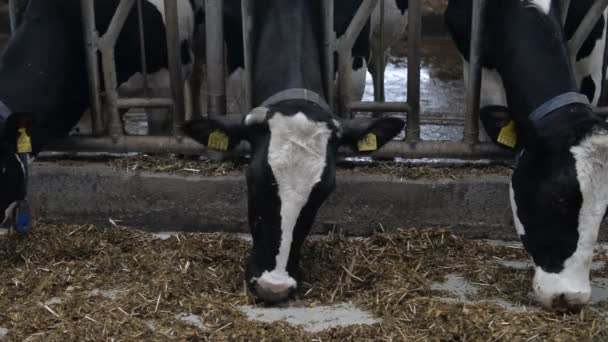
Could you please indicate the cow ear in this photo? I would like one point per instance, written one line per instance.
(219, 134)
(369, 135)
(499, 126)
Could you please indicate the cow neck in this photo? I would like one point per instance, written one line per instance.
(537, 70)
(50, 82)
(287, 48)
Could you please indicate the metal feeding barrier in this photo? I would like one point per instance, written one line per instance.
(106, 105)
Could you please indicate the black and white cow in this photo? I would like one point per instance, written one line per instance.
(559, 189)
(43, 76)
(294, 138)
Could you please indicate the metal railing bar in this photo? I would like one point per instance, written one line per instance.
(175, 65)
(345, 46)
(471, 126)
(413, 70)
(247, 23)
(584, 29)
(142, 47)
(106, 45)
(377, 107)
(379, 59)
(126, 103)
(564, 9)
(165, 144)
(91, 38)
(214, 30)
(329, 40)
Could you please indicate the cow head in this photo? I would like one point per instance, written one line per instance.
(294, 147)
(12, 181)
(559, 195)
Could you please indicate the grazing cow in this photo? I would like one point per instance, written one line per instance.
(294, 139)
(43, 76)
(559, 189)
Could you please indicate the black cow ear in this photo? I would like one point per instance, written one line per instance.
(217, 134)
(369, 135)
(499, 126)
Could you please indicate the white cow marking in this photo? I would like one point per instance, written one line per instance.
(297, 156)
(591, 157)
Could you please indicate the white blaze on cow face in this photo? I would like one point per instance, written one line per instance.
(297, 155)
(572, 286)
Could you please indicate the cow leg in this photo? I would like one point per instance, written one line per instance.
(359, 74)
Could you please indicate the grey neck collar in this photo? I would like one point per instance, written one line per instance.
(557, 102)
(297, 94)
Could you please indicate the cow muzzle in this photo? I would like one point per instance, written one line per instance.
(561, 292)
(274, 287)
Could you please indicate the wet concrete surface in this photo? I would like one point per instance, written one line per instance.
(314, 319)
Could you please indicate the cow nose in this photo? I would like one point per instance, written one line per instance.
(272, 294)
(569, 302)
(563, 301)
(562, 292)
(273, 290)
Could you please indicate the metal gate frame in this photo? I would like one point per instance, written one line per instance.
(109, 103)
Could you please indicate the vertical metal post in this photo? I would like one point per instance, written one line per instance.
(215, 57)
(604, 96)
(379, 59)
(91, 38)
(247, 22)
(142, 47)
(345, 54)
(106, 45)
(175, 65)
(564, 8)
(329, 39)
(413, 70)
(471, 125)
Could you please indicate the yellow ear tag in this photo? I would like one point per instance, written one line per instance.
(24, 143)
(507, 135)
(218, 140)
(368, 143)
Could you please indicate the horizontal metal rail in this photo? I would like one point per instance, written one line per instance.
(392, 107)
(161, 144)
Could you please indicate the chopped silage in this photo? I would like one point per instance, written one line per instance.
(80, 283)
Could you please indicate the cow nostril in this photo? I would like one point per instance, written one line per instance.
(562, 304)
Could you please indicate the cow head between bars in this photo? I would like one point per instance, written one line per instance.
(294, 139)
(559, 189)
(43, 75)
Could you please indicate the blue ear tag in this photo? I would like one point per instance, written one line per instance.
(23, 218)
